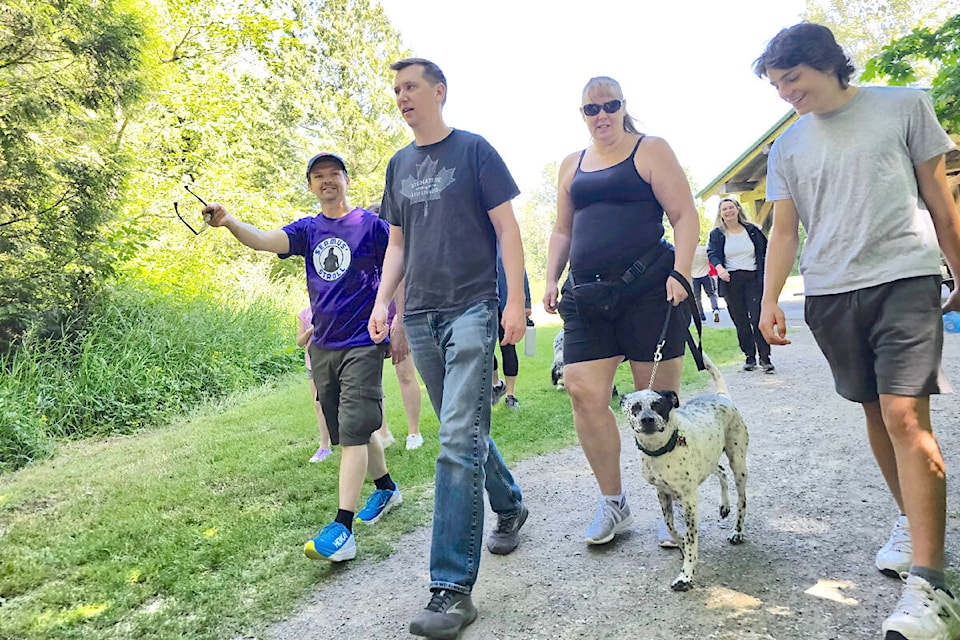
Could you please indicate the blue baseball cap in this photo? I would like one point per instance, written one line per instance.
(328, 156)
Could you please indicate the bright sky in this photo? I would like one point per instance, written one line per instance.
(516, 68)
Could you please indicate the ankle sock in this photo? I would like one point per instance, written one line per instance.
(345, 518)
(936, 578)
(384, 483)
(620, 500)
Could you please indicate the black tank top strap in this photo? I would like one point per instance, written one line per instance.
(637, 146)
(580, 161)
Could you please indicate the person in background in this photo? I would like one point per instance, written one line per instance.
(738, 249)
(409, 385)
(864, 169)
(305, 318)
(511, 364)
(703, 280)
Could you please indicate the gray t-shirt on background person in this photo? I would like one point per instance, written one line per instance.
(850, 174)
(440, 195)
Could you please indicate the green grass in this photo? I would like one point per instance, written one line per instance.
(195, 530)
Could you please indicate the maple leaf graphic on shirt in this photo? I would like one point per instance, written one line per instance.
(428, 184)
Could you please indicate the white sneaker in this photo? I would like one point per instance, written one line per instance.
(923, 613)
(609, 520)
(414, 441)
(894, 557)
(664, 539)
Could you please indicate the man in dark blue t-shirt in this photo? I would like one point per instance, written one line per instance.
(344, 248)
(447, 199)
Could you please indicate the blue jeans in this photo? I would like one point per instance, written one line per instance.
(453, 351)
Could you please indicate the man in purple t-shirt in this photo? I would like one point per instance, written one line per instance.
(344, 248)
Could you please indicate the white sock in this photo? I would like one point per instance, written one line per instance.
(619, 500)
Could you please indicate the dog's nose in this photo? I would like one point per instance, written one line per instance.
(646, 421)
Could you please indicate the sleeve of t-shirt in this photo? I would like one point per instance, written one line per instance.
(388, 207)
(297, 234)
(777, 188)
(306, 318)
(496, 183)
(926, 139)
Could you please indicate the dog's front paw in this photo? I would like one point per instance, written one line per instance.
(737, 537)
(682, 583)
(724, 510)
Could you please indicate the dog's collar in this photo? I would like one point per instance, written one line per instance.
(667, 448)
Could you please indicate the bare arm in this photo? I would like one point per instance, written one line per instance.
(558, 251)
(390, 278)
(781, 252)
(932, 182)
(274, 241)
(303, 336)
(672, 190)
(511, 252)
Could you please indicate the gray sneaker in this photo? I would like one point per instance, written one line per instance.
(664, 539)
(447, 613)
(506, 536)
(511, 402)
(609, 520)
(499, 390)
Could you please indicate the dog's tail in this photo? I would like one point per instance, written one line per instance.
(716, 375)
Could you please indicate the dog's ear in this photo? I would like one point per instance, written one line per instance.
(622, 402)
(672, 397)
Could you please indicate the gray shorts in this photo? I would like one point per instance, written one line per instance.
(885, 339)
(350, 391)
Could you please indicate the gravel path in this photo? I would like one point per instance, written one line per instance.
(817, 512)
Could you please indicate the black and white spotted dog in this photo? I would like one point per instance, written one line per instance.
(556, 372)
(680, 447)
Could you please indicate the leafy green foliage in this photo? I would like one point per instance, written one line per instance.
(65, 70)
(941, 48)
(141, 359)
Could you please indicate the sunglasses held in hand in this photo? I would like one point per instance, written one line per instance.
(592, 109)
(206, 217)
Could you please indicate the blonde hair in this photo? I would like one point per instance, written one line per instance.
(741, 216)
(606, 82)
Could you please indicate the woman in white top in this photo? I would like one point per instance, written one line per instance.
(737, 248)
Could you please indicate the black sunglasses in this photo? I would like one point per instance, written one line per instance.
(610, 107)
(176, 210)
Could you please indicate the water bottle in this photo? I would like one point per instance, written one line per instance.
(951, 322)
(530, 340)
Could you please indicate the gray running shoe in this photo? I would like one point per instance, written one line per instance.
(447, 613)
(609, 520)
(506, 536)
(511, 402)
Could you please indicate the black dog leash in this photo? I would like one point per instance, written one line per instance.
(696, 346)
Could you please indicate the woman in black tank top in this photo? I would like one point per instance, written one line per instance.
(611, 199)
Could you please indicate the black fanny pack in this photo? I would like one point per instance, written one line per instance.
(600, 298)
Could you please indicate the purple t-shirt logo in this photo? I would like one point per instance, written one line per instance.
(331, 258)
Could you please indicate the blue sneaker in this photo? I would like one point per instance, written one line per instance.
(379, 502)
(334, 543)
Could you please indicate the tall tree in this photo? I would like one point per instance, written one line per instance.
(66, 69)
(864, 27)
(939, 49)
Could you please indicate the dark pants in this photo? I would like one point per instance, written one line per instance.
(511, 365)
(743, 294)
(706, 283)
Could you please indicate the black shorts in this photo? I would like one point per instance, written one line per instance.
(350, 391)
(633, 334)
(885, 339)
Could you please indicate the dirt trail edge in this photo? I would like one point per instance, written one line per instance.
(817, 513)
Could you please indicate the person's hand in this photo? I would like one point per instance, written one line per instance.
(399, 347)
(514, 323)
(722, 273)
(215, 214)
(675, 291)
(550, 298)
(773, 324)
(377, 325)
(952, 303)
